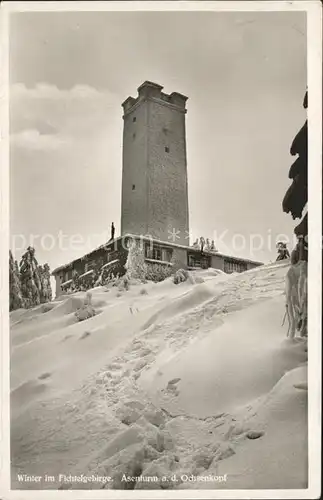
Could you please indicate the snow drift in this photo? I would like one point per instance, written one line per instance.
(195, 380)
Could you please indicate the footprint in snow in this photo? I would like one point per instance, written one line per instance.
(171, 386)
(255, 434)
(85, 335)
(68, 336)
(174, 381)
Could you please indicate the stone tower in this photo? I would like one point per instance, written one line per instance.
(154, 172)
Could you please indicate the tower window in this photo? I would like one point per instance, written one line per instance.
(167, 149)
(134, 119)
(133, 187)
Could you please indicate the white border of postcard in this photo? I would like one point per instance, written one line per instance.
(314, 69)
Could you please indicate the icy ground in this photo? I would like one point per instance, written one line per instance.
(166, 381)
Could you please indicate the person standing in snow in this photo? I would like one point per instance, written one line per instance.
(213, 249)
(202, 243)
(283, 252)
(196, 243)
(207, 245)
(112, 231)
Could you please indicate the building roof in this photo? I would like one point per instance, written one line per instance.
(65, 266)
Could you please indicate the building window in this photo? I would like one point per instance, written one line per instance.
(148, 251)
(90, 265)
(67, 275)
(134, 119)
(133, 187)
(167, 254)
(99, 263)
(158, 253)
(134, 135)
(199, 260)
(112, 256)
(234, 266)
(167, 149)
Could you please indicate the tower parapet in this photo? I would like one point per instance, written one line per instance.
(151, 90)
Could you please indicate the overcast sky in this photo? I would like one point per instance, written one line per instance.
(244, 74)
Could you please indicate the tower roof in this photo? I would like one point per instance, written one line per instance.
(154, 90)
(147, 83)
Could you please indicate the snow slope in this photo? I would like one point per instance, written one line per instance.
(165, 382)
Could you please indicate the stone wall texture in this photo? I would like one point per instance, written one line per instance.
(154, 177)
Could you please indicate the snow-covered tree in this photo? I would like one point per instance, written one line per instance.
(46, 289)
(30, 278)
(177, 263)
(159, 272)
(76, 286)
(42, 291)
(15, 295)
(47, 278)
(136, 266)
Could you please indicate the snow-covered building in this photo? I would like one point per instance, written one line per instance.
(112, 257)
(154, 193)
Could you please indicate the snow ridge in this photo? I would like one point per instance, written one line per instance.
(191, 385)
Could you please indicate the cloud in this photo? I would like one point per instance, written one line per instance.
(32, 139)
(48, 91)
(46, 117)
(65, 153)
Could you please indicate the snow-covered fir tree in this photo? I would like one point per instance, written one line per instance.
(49, 292)
(30, 278)
(15, 296)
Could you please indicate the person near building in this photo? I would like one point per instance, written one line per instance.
(202, 243)
(112, 231)
(196, 243)
(213, 249)
(283, 252)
